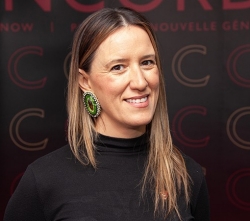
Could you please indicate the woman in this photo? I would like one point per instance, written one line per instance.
(124, 165)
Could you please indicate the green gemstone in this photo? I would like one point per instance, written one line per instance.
(91, 104)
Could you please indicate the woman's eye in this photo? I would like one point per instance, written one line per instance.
(148, 62)
(117, 68)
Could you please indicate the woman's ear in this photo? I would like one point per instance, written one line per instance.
(83, 79)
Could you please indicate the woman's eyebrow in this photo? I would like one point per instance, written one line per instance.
(148, 56)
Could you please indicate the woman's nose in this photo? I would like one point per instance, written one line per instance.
(137, 79)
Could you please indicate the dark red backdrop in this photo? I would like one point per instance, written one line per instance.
(205, 50)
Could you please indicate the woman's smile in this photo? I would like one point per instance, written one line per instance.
(137, 100)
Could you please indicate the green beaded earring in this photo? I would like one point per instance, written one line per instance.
(91, 104)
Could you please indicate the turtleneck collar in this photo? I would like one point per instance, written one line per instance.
(105, 143)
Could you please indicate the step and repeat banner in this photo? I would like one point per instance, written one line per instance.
(205, 51)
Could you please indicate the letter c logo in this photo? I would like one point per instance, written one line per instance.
(14, 130)
(232, 69)
(176, 66)
(13, 72)
(232, 188)
(231, 128)
(177, 127)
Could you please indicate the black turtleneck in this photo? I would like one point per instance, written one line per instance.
(58, 187)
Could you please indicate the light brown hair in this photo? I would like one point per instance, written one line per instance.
(165, 170)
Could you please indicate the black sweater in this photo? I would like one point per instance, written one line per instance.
(58, 187)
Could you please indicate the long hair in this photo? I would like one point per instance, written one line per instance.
(165, 170)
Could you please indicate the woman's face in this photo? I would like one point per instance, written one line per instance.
(125, 78)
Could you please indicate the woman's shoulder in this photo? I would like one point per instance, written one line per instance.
(57, 154)
(195, 170)
(191, 165)
(59, 158)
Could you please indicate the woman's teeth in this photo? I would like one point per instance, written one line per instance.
(137, 100)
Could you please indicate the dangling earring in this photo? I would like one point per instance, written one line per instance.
(91, 104)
